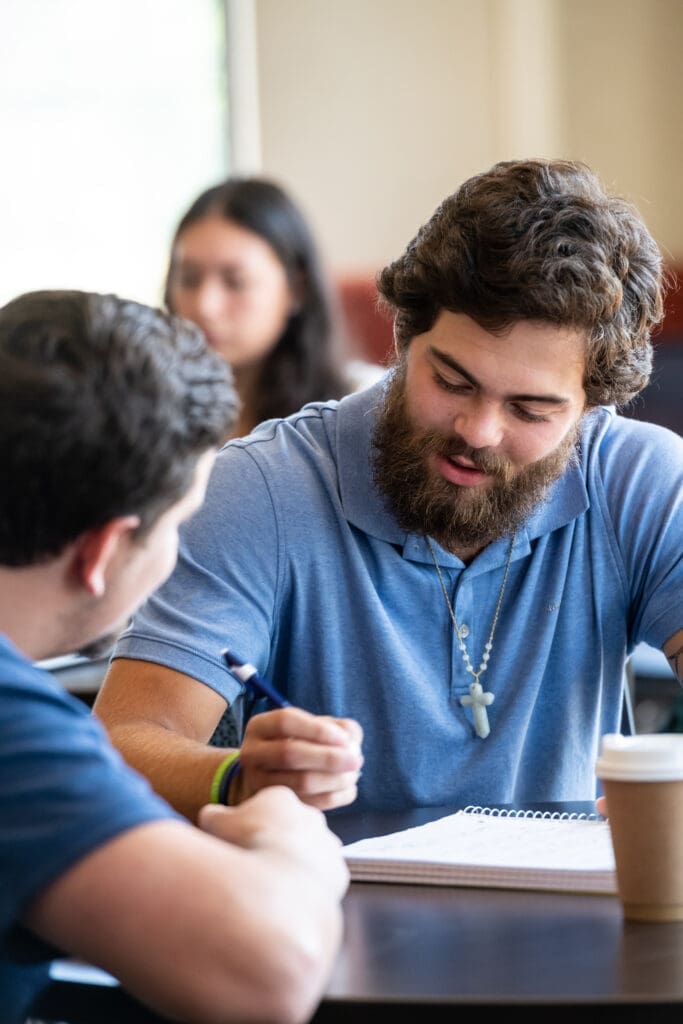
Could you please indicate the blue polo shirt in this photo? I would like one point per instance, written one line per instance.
(64, 791)
(296, 563)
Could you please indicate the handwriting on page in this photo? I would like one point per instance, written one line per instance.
(466, 838)
(498, 849)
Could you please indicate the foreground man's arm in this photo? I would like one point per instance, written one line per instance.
(162, 720)
(206, 930)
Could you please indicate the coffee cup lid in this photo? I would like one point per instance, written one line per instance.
(648, 757)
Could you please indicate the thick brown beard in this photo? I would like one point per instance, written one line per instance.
(455, 516)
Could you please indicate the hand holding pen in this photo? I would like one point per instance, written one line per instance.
(317, 756)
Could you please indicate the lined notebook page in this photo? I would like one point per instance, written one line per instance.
(480, 848)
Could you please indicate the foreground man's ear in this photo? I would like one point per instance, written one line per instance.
(95, 550)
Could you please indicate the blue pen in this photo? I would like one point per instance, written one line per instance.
(250, 678)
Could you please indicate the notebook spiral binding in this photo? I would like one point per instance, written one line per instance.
(505, 812)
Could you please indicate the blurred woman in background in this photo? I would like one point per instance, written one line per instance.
(244, 266)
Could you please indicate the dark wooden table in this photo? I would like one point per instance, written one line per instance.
(439, 950)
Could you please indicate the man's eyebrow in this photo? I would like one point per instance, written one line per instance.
(453, 364)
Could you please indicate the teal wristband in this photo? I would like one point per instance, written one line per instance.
(218, 788)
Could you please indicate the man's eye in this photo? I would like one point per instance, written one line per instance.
(529, 417)
(456, 387)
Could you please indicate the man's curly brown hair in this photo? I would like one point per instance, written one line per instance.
(538, 240)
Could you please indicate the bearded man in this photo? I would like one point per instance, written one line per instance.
(455, 563)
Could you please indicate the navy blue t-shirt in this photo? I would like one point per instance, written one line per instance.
(64, 791)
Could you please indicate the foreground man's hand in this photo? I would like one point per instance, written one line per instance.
(276, 820)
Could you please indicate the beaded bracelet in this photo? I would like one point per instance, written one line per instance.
(225, 773)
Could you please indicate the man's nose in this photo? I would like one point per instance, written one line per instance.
(480, 422)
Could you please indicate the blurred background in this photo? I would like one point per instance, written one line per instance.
(113, 117)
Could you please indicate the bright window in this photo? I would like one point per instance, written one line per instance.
(113, 116)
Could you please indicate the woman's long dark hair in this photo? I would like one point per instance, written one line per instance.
(304, 365)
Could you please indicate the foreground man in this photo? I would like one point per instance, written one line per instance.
(110, 414)
(461, 558)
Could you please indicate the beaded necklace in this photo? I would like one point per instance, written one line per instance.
(478, 698)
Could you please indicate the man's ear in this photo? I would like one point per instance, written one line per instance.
(95, 550)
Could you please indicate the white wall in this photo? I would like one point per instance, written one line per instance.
(623, 88)
(373, 110)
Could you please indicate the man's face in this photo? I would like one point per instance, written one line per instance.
(139, 567)
(476, 426)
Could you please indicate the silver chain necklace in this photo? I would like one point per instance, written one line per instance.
(478, 698)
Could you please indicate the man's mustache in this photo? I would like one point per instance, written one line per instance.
(456, 447)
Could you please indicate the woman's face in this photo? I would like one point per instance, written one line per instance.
(230, 282)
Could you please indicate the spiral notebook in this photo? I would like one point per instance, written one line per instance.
(481, 846)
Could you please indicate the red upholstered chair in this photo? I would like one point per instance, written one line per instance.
(369, 329)
(662, 400)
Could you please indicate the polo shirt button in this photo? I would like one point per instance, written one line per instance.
(464, 631)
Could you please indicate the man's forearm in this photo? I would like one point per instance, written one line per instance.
(179, 769)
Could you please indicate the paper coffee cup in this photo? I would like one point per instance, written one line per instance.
(642, 779)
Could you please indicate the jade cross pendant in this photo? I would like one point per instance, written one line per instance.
(479, 700)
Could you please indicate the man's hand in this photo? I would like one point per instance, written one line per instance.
(316, 756)
(276, 820)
